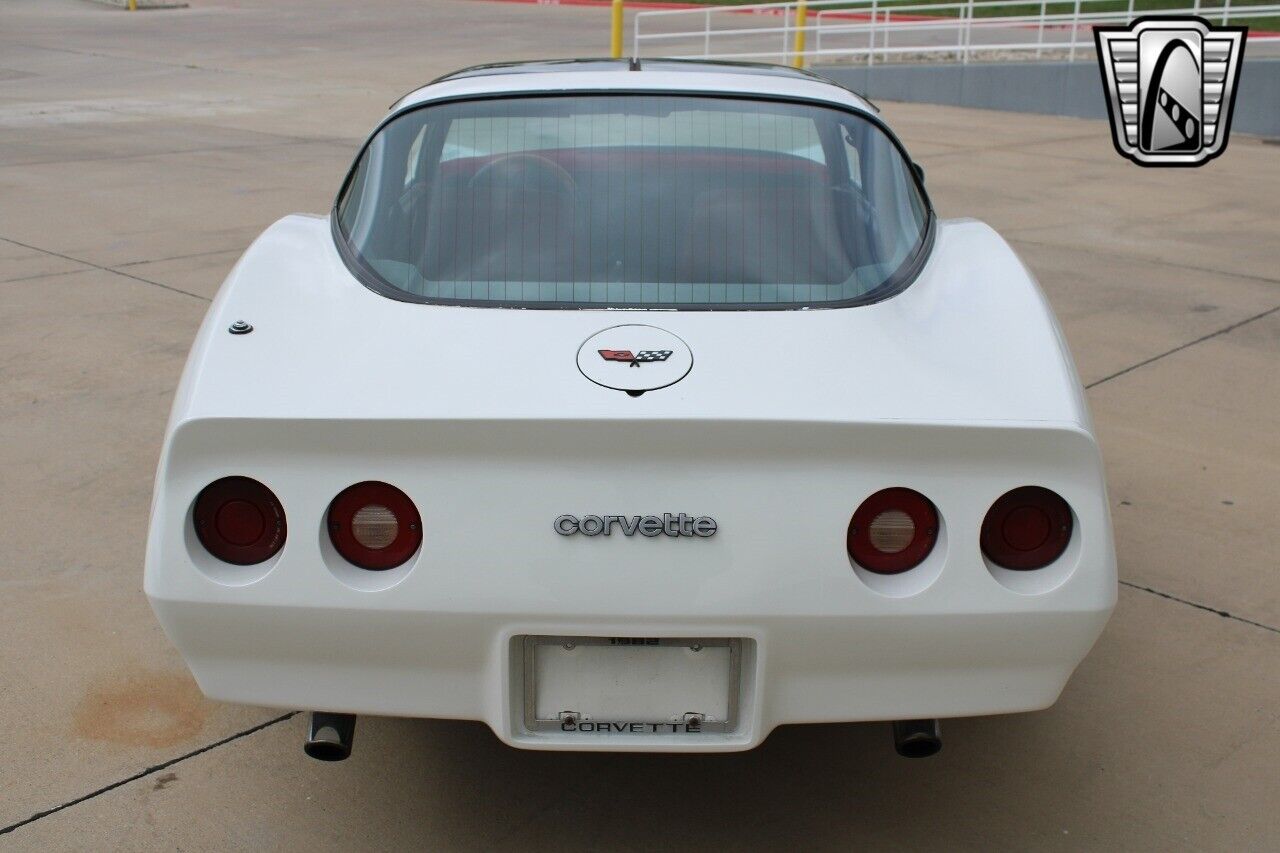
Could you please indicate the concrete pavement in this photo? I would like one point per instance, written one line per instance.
(140, 153)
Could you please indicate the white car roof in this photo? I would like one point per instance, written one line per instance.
(617, 75)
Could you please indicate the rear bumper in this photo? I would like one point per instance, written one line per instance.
(796, 669)
(828, 641)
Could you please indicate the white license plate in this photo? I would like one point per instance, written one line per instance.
(631, 685)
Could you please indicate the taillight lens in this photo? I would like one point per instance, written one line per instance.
(892, 531)
(1027, 528)
(374, 526)
(239, 520)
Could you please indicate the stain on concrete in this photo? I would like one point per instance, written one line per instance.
(144, 708)
(162, 782)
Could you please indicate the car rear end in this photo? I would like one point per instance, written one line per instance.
(611, 486)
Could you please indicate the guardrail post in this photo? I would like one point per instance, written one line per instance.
(888, 13)
(706, 35)
(1040, 29)
(968, 33)
(786, 32)
(615, 31)
(1226, 10)
(1130, 18)
(871, 32)
(802, 12)
(1195, 7)
(1075, 28)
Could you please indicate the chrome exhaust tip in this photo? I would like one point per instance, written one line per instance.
(917, 738)
(329, 737)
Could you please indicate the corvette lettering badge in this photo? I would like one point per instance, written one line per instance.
(668, 524)
(637, 359)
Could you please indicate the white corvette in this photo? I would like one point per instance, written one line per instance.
(631, 408)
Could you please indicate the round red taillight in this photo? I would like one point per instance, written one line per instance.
(239, 520)
(374, 526)
(1027, 528)
(892, 531)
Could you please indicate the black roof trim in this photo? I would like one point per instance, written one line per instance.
(542, 66)
(599, 64)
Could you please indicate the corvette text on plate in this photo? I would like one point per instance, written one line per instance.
(691, 727)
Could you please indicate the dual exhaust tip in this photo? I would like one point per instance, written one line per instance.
(329, 737)
(917, 738)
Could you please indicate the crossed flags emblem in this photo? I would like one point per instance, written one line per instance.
(636, 359)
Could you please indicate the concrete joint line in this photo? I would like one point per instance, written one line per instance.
(1014, 238)
(147, 772)
(44, 275)
(146, 154)
(107, 269)
(1223, 613)
(1181, 347)
(119, 267)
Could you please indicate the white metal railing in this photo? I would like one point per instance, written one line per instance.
(878, 30)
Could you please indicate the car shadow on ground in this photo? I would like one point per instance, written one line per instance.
(821, 786)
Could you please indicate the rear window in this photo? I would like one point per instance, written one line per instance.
(640, 201)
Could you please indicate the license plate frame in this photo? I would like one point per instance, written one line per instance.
(534, 723)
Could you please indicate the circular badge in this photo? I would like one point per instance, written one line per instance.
(634, 358)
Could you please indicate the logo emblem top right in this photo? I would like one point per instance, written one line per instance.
(1170, 84)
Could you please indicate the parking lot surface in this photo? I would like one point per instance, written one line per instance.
(141, 153)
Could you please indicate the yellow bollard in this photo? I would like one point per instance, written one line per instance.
(615, 38)
(797, 59)
(133, 5)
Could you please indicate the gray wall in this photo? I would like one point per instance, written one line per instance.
(1055, 88)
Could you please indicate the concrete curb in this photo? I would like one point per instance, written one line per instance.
(1049, 88)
